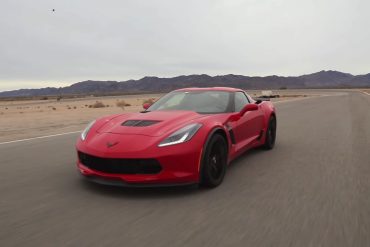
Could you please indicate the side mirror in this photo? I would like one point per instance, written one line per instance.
(146, 105)
(237, 115)
(247, 108)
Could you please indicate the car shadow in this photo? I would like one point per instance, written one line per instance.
(245, 156)
(155, 192)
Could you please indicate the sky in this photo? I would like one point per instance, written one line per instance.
(130, 39)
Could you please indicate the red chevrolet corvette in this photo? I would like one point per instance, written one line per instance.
(188, 136)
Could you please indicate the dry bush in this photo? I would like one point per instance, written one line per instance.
(149, 101)
(54, 109)
(75, 107)
(122, 104)
(97, 104)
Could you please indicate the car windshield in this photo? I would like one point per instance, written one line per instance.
(204, 102)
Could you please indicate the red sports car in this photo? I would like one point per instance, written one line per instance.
(189, 136)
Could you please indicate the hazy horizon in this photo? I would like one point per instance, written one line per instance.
(122, 40)
(66, 84)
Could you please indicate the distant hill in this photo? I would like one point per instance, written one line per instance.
(322, 79)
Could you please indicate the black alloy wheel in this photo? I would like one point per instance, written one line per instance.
(214, 161)
(270, 134)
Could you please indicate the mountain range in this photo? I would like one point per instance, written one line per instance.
(322, 79)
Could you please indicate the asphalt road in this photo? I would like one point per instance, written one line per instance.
(313, 189)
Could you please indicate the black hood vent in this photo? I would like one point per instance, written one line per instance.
(139, 123)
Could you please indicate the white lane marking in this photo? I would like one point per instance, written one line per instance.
(308, 97)
(292, 100)
(41, 137)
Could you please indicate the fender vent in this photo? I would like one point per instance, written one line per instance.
(232, 136)
(139, 123)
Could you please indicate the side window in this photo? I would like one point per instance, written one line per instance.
(240, 101)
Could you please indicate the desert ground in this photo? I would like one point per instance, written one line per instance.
(20, 119)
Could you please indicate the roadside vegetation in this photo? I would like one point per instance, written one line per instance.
(149, 101)
(97, 104)
(122, 104)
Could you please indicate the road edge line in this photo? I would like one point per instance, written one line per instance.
(40, 137)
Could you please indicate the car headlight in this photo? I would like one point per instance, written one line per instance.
(182, 135)
(86, 131)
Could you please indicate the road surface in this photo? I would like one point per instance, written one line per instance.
(313, 189)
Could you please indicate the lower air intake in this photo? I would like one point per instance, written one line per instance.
(120, 166)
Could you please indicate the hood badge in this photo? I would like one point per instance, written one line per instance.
(111, 144)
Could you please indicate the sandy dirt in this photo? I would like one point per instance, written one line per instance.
(34, 118)
(26, 119)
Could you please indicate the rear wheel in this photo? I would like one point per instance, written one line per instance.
(270, 134)
(214, 161)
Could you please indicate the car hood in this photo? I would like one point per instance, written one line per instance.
(154, 123)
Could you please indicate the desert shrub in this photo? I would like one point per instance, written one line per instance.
(6, 108)
(149, 101)
(122, 104)
(97, 104)
(54, 109)
(74, 107)
(44, 98)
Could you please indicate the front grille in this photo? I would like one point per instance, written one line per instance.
(139, 123)
(120, 166)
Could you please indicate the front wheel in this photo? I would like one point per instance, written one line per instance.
(214, 162)
(270, 134)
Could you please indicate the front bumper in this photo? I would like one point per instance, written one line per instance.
(179, 163)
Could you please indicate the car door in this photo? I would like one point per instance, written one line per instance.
(249, 126)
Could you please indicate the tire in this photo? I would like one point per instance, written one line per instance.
(270, 136)
(214, 162)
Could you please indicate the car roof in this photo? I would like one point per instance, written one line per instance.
(225, 89)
